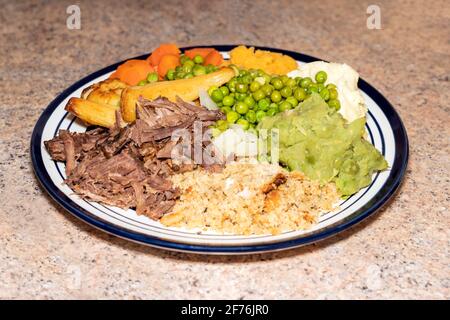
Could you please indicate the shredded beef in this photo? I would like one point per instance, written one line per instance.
(128, 166)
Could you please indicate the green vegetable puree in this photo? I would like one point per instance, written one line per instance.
(316, 140)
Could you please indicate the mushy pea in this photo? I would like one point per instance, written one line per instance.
(318, 141)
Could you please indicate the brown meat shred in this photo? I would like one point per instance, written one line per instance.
(128, 166)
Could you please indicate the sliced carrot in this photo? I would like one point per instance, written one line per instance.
(214, 58)
(114, 75)
(133, 71)
(198, 51)
(167, 62)
(162, 50)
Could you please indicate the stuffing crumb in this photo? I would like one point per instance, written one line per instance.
(249, 198)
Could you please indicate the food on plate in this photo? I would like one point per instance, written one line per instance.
(93, 113)
(318, 141)
(249, 198)
(270, 62)
(132, 71)
(164, 49)
(129, 167)
(186, 89)
(166, 63)
(236, 141)
(253, 94)
(190, 68)
(143, 152)
(105, 92)
(345, 81)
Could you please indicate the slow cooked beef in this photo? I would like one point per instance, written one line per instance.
(128, 166)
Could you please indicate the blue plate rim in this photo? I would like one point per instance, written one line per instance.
(391, 185)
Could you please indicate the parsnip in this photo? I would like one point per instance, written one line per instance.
(186, 89)
(93, 113)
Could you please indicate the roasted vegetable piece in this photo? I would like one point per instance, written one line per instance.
(105, 92)
(214, 58)
(167, 62)
(162, 50)
(133, 71)
(186, 89)
(93, 113)
(203, 52)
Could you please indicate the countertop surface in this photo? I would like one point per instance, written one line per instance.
(401, 252)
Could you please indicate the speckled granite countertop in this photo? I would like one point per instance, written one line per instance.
(401, 252)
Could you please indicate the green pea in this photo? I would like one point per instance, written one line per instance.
(254, 86)
(187, 68)
(152, 77)
(142, 83)
(331, 86)
(225, 109)
(300, 94)
(232, 84)
(222, 125)
(272, 112)
(211, 89)
(261, 72)
(285, 105)
(292, 101)
(273, 105)
(285, 79)
(333, 93)
(312, 88)
(247, 79)
(250, 101)
(180, 75)
(267, 78)
(170, 74)
(189, 63)
(267, 89)
(251, 116)
(325, 94)
(277, 83)
(241, 87)
(228, 101)
(240, 96)
(199, 70)
(232, 116)
(291, 82)
(198, 59)
(298, 80)
(334, 103)
(263, 104)
(253, 73)
(210, 68)
(217, 95)
(243, 72)
(260, 115)
(225, 90)
(275, 96)
(320, 87)
(258, 95)
(321, 77)
(241, 107)
(184, 58)
(219, 104)
(286, 92)
(243, 123)
(305, 82)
